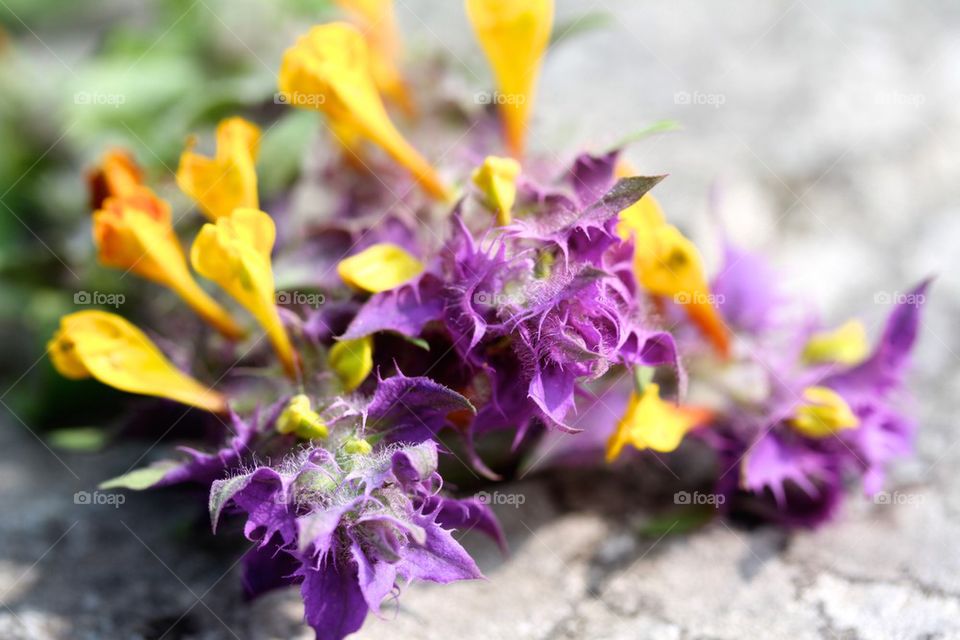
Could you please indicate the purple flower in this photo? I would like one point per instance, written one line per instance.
(798, 479)
(534, 310)
(350, 529)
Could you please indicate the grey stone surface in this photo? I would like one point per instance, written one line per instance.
(835, 150)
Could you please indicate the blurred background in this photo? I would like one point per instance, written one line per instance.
(826, 133)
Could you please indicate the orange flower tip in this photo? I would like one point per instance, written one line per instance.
(708, 320)
(117, 174)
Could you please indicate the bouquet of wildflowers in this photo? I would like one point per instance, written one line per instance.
(498, 309)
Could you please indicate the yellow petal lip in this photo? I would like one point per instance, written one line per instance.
(496, 179)
(234, 252)
(823, 413)
(847, 345)
(514, 36)
(651, 423)
(108, 348)
(380, 267)
(329, 70)
(352, 361)
(134, 232)
(229, 179)
(667, 263)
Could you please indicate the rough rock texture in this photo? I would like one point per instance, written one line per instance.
(831, 129)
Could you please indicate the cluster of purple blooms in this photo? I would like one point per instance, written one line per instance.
(514, 329)
(549, 316)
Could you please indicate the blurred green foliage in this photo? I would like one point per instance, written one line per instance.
(79, 77)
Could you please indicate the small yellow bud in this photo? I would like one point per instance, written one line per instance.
(299, 419)
(823, 413)
(357, 446)
(497, 180)
(847, 345)
(352, 361)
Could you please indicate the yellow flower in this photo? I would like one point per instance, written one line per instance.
(352, 361)
(380, 267)
(823, 413)
(497, 180)
(106, 347)
(134, 232)
(514, 36)
(375, 18)
(299, 418)
(640, 219)
(228, 180)
(235, 253)
(846, 345)
(329, 70)
(116, 175)
(667, 263)
(651, 423)
(357, 447)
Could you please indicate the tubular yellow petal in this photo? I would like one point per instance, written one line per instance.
(514, 36)
(380, 267)
(134, 233)
(640, 220)
(847, 345)
(824, 412)
(108, 348)
(234, 252)
(666, 263)
(229, 179)
(496, 179)
(329, 70)
(376, 20)
(117, 175)
(651, 423)
(352, 361)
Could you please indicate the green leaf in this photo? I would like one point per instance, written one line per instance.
(679, 521)
(584, 23)
(140, 479)
(661, 126)
(417, 342)
(82, 439)
(220, 493)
